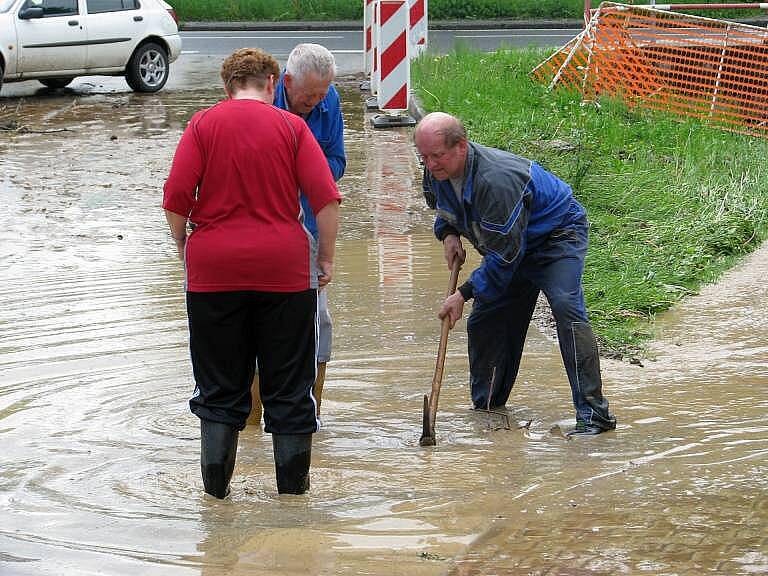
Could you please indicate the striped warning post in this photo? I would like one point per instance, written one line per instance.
(376, 41)
(392, 58)
(419, 29)
(368, 12)
(371, 52)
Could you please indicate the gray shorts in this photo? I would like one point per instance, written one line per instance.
(325, 335)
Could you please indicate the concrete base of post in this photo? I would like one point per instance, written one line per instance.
(392, 120)
(372, 103)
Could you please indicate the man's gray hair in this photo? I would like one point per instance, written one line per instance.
(307, 58)
(453, 133)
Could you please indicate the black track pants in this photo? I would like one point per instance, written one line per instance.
(228, 331)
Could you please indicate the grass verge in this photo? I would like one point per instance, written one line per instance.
(309, 10)
(672, 204)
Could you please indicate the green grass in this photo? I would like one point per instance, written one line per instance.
(672, 203)
(269, 10)
(277, 10)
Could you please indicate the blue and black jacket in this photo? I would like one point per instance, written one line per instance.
(327, 124)
(509, 206)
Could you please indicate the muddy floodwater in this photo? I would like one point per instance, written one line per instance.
(99, 469)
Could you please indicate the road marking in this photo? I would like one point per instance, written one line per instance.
(280, 55)
(509, 30)
(506, 36)
(262, 37)
(190, 51)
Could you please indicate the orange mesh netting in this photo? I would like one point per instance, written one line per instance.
(687, 65)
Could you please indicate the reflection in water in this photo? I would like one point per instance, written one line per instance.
(100, 468)
(392, 186)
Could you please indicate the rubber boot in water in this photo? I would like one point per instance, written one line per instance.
(292, 456)
(218, 447)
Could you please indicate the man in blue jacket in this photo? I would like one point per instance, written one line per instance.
(305, 88)
(532, 235)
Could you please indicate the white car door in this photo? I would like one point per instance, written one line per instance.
(115, 27)
(55, 42)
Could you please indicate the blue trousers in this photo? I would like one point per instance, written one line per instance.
(497, 329)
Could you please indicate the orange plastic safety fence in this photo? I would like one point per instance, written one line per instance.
(688, 65)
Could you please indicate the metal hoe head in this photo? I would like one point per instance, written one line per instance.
(428, 429)
(504, 420)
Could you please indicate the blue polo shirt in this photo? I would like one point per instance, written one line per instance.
(327, 124)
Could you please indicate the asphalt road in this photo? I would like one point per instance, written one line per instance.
(347, 45)
(203, 51)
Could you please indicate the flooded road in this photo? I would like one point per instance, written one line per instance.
(100, 455)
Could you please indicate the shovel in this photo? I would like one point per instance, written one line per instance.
(430, 402)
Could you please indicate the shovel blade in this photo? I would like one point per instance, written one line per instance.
(427, 431)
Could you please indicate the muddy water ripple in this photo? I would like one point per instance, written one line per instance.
(100, 468)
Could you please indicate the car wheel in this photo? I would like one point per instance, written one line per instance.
(2, 73)
(147, 70)
(56, 82)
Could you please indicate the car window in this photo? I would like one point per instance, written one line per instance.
(5, 5)
(100, 6)
(54, 7)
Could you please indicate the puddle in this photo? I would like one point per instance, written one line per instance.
(100, 460)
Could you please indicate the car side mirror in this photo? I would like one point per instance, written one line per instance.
(31, 12)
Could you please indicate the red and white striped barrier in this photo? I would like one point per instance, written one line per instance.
(368, 59)
(376, 34)
(393, 55)
(419, 28)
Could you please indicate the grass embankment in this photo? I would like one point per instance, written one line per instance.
(246, 10)
(672, 204)
(277, 10)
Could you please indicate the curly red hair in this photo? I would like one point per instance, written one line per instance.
(248, 66)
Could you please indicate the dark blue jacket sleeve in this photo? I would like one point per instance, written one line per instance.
(492, 278)
(443, 229)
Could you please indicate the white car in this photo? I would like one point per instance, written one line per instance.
(54, 41)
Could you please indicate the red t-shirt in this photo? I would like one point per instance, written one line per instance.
(237, 175)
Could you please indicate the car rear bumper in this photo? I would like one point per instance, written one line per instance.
(174, 46)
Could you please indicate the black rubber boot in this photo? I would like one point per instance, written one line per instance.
(582, 363)
(292, 456)
(583, 429)
(218, 447)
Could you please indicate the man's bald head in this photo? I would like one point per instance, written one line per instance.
(442, 143)
(442, 124)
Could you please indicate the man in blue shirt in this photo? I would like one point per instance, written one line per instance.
(305, 88)
(532, 235)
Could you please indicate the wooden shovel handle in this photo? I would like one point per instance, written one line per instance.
(437, 379)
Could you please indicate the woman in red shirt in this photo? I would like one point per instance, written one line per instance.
(251, 268)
